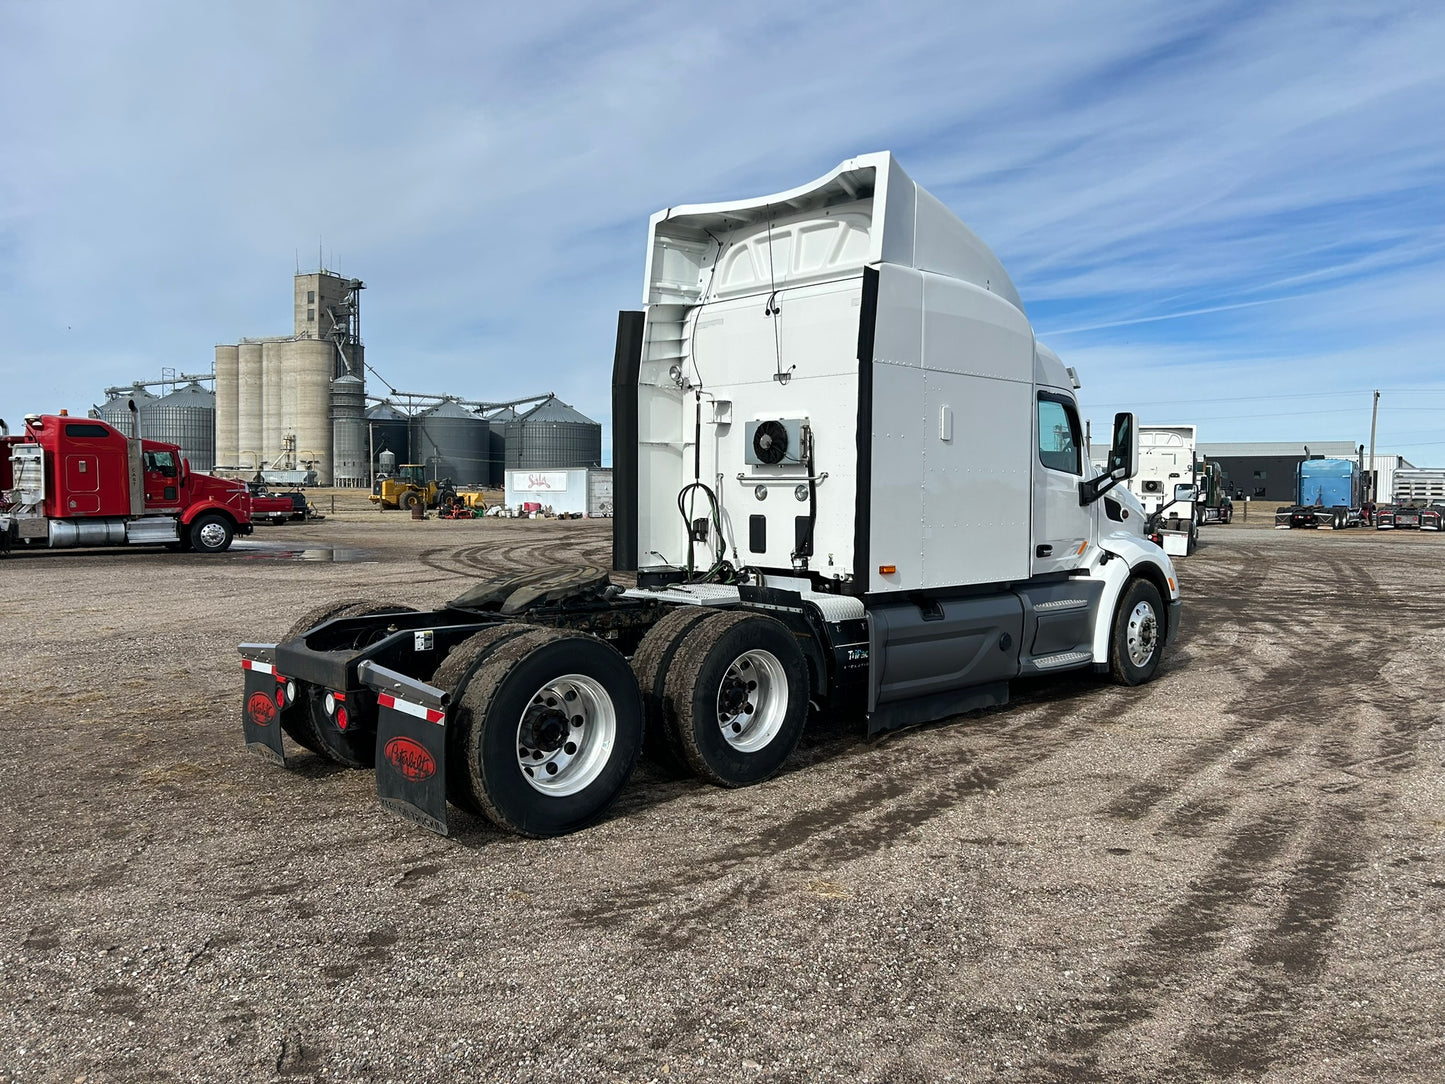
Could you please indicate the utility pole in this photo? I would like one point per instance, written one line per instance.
(1374, 477)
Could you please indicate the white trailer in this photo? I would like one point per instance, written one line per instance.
(845, 473)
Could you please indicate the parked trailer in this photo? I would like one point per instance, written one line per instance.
(1418, 500)
(71, 481)
(845, 473)
(1327, 495)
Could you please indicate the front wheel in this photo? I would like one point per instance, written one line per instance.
(211, 533)
(737, 698)
(553, 731)
(1137, 640)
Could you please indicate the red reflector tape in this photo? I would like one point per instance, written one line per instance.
(259, 667)
(431, 715)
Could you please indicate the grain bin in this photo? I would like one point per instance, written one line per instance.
(498, 419)
(388, 430)
(453, 442)
(187, 416)
(116, 411)
(553, 436)
(250, 446)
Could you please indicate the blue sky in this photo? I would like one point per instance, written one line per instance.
(1228, 213)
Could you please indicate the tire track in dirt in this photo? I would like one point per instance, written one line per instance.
(859, 820)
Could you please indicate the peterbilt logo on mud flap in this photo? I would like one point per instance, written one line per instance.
(409, 757)
(261, 709)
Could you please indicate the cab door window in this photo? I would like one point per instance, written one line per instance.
(1060, 447)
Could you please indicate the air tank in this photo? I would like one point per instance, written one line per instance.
(349, 465)
(227, 404)
(453, 442)
(553, 436)
(388, 430)
(187, 416)
(249, 446)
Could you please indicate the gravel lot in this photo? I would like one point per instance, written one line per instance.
(1235, 873)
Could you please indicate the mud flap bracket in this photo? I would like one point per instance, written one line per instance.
(411, 746)
(260, 714)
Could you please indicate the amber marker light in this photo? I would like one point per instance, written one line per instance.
(1171, 583)
(887, 570)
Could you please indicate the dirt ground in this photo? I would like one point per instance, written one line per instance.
(1234, 873)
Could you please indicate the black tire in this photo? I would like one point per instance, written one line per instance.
(453, 675)
(211, 533)
(651, 662)
(517, 697)
(736, 696)
(354, 747)
(1136, 641)
(409, 500)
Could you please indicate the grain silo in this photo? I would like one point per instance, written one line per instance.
(453, 442)
(552, 436)
(116, 410)
(227, 406)
(349, 465)
(250, 449)
(187, 416)
(388, 430)
(313, 361)
(275, 402)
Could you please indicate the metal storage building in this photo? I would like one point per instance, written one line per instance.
(581, 489)
(1266, 470)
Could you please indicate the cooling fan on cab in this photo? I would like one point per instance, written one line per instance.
(770, 442)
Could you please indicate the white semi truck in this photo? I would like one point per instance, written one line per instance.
(1166, 462)
(846, 474)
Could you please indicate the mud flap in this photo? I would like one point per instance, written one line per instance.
(260, 714)
(411, 746)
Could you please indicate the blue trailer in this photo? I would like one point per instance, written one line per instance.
(1327, 494)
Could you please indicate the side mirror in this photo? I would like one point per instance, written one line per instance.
(185, 471)
(1123, 461)
(1186, 494)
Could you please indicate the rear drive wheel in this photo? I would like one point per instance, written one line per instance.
(344, 731)
(554, 730)
(1137, 640)
(737, 698)
(453, 675)
(211, 533)
(651, 662)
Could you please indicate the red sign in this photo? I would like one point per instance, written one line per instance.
(411, 759)
(261, 708)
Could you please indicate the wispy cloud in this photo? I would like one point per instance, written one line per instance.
(1223, 195)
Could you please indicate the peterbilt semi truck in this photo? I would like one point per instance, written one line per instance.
(72, 481)
(1328, 494)
(846, 474)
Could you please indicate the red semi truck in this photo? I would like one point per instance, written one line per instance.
(70, 481)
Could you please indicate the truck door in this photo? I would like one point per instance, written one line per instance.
(161, 475)
(1062, 527)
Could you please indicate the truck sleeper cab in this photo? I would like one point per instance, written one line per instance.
(845, 474)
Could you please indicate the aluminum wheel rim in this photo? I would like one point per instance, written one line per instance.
(752, 701)
(566, 734)
(212, 534)
(1143, 634)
